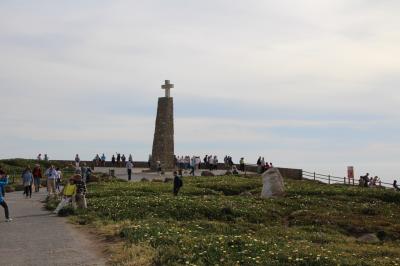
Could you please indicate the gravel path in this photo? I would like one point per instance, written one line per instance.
(35, 238)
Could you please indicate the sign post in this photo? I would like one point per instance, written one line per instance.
(350, 173)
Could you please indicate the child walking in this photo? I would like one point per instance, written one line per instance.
(4, 182)
(69, 192)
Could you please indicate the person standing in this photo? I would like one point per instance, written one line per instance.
(46, 157)
(130, 158)
(395, 186)
(192, 165)
(113, 161)
(129, 167)
(178, 183)
(4, 182)
(159, 169)
(58, 179)
(77, 160)
(84, 172)
(27, 179)
(51, 174)
(242, 165)
(39, 157)
(80, 196)
(37, 175)
(103, 160)
(118, 160)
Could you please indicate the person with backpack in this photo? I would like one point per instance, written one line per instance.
(4, 182)
(178, 183)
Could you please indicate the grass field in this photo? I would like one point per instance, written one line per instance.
(222, 221)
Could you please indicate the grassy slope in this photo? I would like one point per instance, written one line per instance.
(209, 223)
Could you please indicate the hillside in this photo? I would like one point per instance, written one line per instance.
(222, 221)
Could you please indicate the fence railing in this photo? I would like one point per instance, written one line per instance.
(330, 179)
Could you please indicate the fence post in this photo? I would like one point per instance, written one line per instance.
(344, 180)
(329, 179)
(314, 176)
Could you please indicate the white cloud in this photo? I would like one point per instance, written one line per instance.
(299, 56)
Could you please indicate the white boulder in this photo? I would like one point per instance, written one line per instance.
(272, 184)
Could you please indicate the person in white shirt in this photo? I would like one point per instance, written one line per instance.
(129, 167)
(77, 161)
(52, 175)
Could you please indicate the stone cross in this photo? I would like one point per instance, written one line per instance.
(167, 87)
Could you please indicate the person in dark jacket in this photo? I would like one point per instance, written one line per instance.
(178, 183)
(37, 175)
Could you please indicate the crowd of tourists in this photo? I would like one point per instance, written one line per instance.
(369, 181)
(117, 160)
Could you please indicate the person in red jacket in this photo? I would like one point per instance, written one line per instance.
(37, 175)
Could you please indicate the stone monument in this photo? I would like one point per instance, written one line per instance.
(163, 143)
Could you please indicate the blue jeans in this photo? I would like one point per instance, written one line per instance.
(36, 182)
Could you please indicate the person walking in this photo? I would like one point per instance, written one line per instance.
(129, 167)
(51, 174)
(4, 182)
(27, 179)
(178, 183)
(3, 178)
(37, 175)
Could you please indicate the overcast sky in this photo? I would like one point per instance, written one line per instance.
(312, 84)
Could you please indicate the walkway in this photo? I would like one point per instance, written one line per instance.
(35, 238)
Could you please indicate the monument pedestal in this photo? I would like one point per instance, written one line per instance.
(163, 143)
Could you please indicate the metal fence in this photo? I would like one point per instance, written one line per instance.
(330, 179)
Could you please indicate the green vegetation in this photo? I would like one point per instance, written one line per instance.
(222, 221)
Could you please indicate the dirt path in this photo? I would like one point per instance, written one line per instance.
(35, 238)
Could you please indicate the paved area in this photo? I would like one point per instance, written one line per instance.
(138, 173)
(35, 238)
